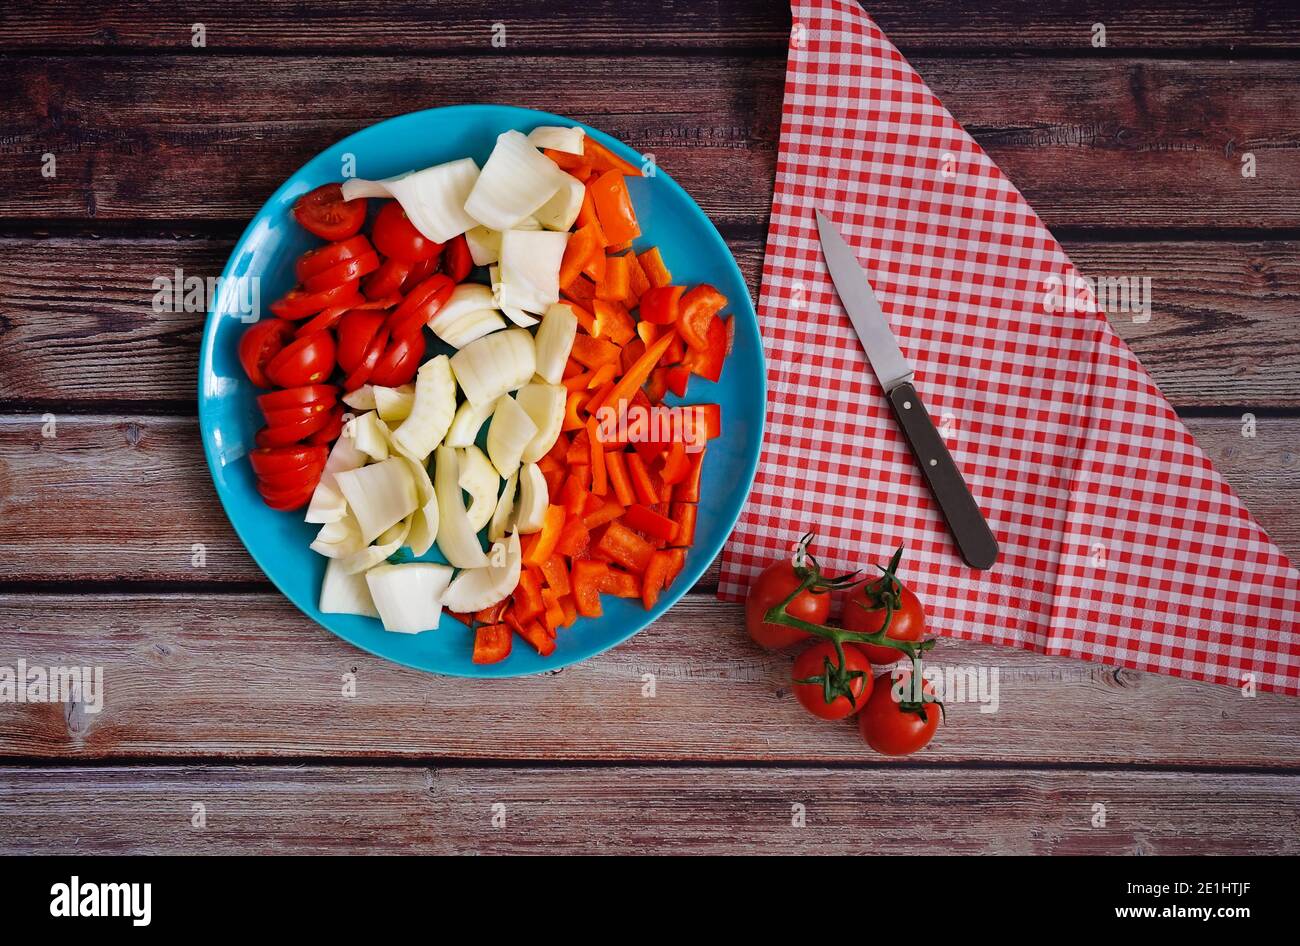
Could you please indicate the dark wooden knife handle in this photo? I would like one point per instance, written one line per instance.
(974, 538)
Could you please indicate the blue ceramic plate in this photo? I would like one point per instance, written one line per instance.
(228, 415)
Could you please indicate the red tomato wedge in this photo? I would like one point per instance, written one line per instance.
(326, 214)
(300, 303)
(396, 237)
(421, 305)
(300, 396)
(306, 360)
(355, 332)
(348, 271)
(316, 261)
(260, 343)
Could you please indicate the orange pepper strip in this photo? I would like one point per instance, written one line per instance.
(578, 382)
(587, 213)
(616, 470)
(641, 482)
(614, 208)
(639, 372)
(571, 406)
(638, 281)
(655, 270)
(602, 159)
(656, 576)
(599, 483)
(613, 322)
(582, 246)
(598, 398)
(552, 525)
(602, 376)
(614, 287)
(556, 573)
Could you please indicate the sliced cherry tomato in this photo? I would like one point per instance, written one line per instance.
(302, 395)
(260, 343)
(299, 303)
(316, 261)
(456, 259)
(273, 461)
(896, 727)
(367, 364)
(305, 360)
(768, 590)
(348, 271)
(326, 214)
(356, 331)
(419, 273)
(330, 432)
(286, 416)
(286, 498)
(818, 673)
(294, 433)
(387, 279)
(418, 308)
(397, 237)
(399, 362)
(323, 320)
(864, 610)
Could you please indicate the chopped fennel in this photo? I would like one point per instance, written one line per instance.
(561, 211)
(457, 541)
(554, 342)
(424, 521)
(465, 425)
(409, 597)
(477, 588)
(434, 199)
(378, 495)
(341, 593)
(494, 364)
(534, 497)
(370, 556)
(503, 516)
(509, 432)
(371, 435)
(467, 315)
(558, 138)
(339, 539)
(530, 268)
(432, 412)
(484, 244)
(362, 399)
(327, 503)
(515, 181)
(480, 480)
(544, 405)
(394, 403)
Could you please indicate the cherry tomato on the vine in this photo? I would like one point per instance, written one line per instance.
(889, 726)
(865, 611)
(769, 589)
(818, 671)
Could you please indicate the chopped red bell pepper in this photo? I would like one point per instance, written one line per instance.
(620, 584)
(677, 561)
(698, 310)
(613, 321)
(688, 490)
(684, 515)
(656, 576)
(650, 523)
(528, 596)
(536, 635)
(707, 362)
(491, 643)
(642, 484)
(625, 547)
(661, 304)
(677, 464)
(574, 539)
(614, 207)
(652, 262)
(610, 511)
(588, 576)
(614, 287)
(616, 469)
(676, 378)
(556, 574)
(594, 352)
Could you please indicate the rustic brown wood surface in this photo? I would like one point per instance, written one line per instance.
(220, 693)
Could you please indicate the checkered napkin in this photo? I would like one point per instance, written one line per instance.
(1120, 541)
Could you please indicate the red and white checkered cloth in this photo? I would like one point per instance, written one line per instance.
(1120, 541)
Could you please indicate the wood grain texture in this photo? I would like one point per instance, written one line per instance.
(1097, 143)
(321, 810)
(127, 498)
(80, 331)
(605, 25)
(236, 676)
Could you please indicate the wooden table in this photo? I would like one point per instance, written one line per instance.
(224, 702)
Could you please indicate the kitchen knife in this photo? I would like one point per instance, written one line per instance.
(974, 539)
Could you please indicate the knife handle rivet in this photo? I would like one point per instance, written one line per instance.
(934, 463)
(907, 405)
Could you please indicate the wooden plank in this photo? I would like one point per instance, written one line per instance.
(1102, 143)
(128, 498)
(608, 25)
(80, 331)
(204, 676)
(322, 810)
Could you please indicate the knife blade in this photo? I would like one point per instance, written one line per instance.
(970, 530)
